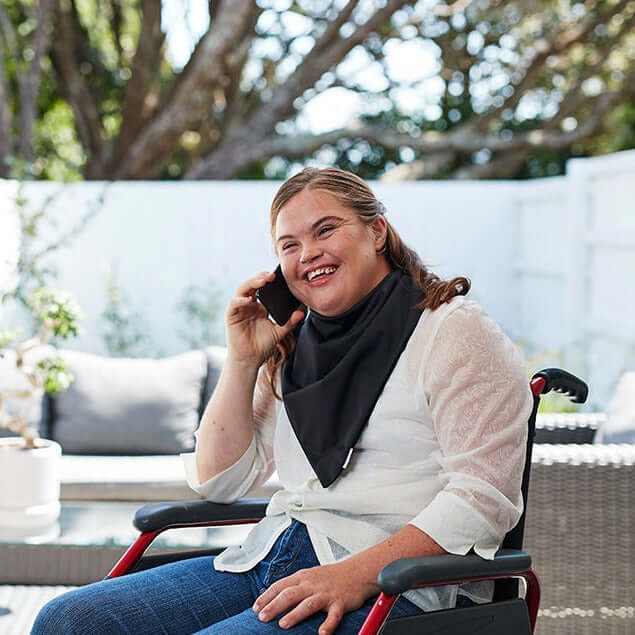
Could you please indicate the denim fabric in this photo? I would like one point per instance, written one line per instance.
(190, 596)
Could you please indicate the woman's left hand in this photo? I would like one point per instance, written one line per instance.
(332, 588)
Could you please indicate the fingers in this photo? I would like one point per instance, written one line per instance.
(296, 317)
(334, 617)
(308, 607)
(249, 287)
(263, 599)
(241, 308)
(296, 595)
(304, 609)
(280, 597)
(243, 305)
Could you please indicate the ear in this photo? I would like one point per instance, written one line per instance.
(379, 230)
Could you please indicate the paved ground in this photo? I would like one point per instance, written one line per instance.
(20, 604)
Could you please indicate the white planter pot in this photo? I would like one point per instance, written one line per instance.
(29, 490)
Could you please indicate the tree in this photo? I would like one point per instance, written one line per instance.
(87, 88)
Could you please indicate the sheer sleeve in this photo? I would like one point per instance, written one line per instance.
(255, 466)
(480, 400)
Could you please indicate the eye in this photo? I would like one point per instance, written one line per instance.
(325, 229)
(287, 246)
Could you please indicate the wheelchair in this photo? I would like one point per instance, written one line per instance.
(507, 612)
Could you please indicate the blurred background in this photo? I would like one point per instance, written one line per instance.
(141, 143)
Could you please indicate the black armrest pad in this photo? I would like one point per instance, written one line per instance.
(407, 573)
(158, 516)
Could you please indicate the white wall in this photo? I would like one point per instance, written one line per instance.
(603, 193)
(9, 236)
(552, 260)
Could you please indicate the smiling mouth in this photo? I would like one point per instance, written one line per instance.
(320, 272)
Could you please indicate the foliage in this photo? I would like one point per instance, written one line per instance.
(57, 376)
(55, 311)
(469, 88)
(58, 314)
(8, 338)
(55, 314)
(201, 307)
(40, 238)
(124, 333)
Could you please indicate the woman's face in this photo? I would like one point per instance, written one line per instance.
(328, 256)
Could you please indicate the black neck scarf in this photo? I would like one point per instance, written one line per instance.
(339, 366)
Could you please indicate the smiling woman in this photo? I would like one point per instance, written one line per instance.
(347, 219)
(329, 258)
(393, 409)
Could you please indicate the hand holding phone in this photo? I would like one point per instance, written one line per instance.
(278, 299)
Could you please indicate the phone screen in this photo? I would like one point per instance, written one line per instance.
(278, 299)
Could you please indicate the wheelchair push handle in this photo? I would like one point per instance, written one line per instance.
(560, 381)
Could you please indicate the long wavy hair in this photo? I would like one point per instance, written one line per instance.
(353, 192)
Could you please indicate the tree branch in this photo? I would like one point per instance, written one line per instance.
(190, 103)
(8, 32)
(144, 66)
(448, 10)
(7, 145)
(238, 150)
(456, 141)
(30, 82)
(6, 141)
(426, 167)
(237, 105)
(72, 84)
(197, 58)
(328, 51)
(117, 21)
(558, 44)
(575, 97)
(506, 165)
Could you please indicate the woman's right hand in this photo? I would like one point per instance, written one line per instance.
(251, 335)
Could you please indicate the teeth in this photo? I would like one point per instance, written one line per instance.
(318, 272)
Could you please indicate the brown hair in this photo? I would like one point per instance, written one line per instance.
(353, 192)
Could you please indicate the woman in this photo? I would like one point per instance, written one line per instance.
(400, 432)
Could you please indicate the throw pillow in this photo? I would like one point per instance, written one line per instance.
(129, 406)
(215, 359)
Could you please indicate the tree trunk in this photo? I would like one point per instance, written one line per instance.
(30, 83)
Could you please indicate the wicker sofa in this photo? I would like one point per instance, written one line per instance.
(579, 528)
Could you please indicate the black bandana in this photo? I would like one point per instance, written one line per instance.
(334, 376)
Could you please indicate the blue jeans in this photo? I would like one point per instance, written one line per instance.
(190, 596)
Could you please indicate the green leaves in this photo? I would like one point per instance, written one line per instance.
(8, 338)
(58, 314)
(56, 310)
(56, 375)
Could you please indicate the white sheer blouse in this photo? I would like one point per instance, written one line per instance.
(443, 450)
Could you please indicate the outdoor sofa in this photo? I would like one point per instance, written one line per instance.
(123, 424)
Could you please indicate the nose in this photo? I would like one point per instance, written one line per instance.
(310, 251)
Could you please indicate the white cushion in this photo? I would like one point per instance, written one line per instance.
(133, 478)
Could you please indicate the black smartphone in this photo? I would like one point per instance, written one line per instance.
(278, 299)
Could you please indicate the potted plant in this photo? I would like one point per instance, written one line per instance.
(29, 465)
